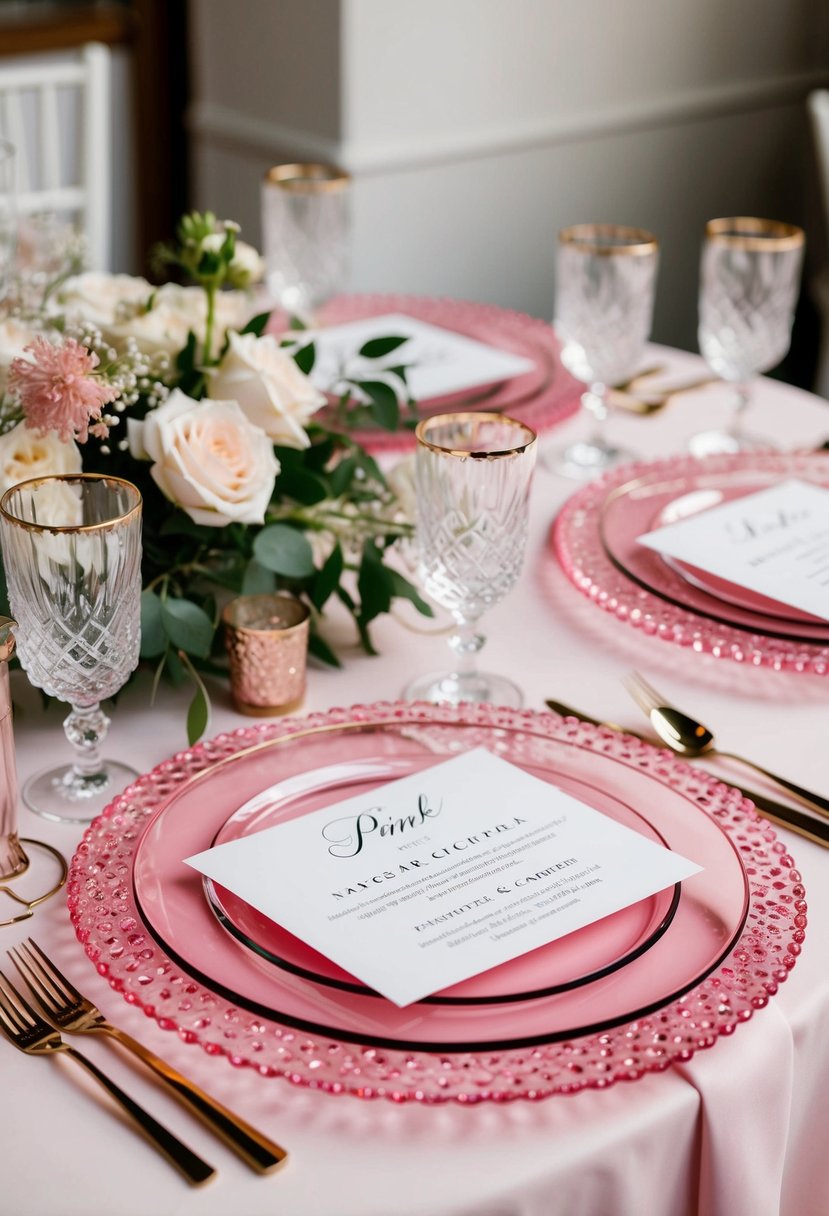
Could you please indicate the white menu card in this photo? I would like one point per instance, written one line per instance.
(443, 874)
(775, 542)
(438, 361)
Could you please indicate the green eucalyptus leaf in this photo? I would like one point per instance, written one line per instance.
(284, 550)
(257, 580)
(153, 632)
(198, 715)
(189, 627)
(302, 486)
(385, 408)
(175, 669)
(327, 578)
(320, 452)
(342, 475)
(256, 325)
(305, 358)
(297, 323)
(322, 651)
(374, 584)
(186, 357)
(402, 588)
(375, 348)
(370, 467)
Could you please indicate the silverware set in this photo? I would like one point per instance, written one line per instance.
(691, 739)
(66, 1009)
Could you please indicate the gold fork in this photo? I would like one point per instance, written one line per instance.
(685, 735)
(65, 1006)
(27, 1030)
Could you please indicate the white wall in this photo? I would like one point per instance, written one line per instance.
(476, 128)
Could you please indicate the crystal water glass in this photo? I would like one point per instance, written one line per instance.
(749, 282)
(605, 287)
(305, 229)
(473, 473)
(72, 555)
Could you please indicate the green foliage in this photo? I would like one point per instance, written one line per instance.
(284, 550)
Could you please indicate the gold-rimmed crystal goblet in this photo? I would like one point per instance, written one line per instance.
(605, 286)
(305, 229)
(749, 281)
(72, 555)
(473, 473)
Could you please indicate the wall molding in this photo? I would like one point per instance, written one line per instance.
(215, 123)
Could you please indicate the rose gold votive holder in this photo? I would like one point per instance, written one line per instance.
(267, 643)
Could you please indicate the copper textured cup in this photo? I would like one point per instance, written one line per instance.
(267, 643)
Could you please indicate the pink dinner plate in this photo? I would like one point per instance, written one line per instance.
(542, 398)
(579, 958)
(642, 503)
(706, 922)
(687, 806)
(595, 540)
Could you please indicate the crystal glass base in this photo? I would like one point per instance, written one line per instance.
(454, 688)
(585, 460)
(65, 796)
(715, 443)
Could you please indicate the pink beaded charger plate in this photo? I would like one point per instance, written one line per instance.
(595, 535)
(541, 398)
(108, 922)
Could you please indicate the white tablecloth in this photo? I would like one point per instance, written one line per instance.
(739, 1131)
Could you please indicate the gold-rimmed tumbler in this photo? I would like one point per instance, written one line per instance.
(473, 474)
(305, 228)
(72, 555)
(749, 282)
(605, 288)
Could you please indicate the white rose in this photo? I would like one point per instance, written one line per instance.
(100, 298)
(273, 393)
(246, 267)
(208, 459)
(14, 337)
(24, 454)
(175, 312)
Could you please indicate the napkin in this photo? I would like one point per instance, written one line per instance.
(745, 1088)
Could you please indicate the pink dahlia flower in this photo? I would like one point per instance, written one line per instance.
(58, 392)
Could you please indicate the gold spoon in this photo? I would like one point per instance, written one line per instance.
(784, 816)
(688, 737)
(625, 396)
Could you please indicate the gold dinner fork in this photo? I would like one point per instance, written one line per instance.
(685, 735)
(65, 1006)
(28, 1031)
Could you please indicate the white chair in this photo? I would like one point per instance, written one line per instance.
(818, 104)
(56, 111)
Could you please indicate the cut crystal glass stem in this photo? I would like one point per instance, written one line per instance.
(86, 727)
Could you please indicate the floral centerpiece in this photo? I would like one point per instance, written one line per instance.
(181, 390)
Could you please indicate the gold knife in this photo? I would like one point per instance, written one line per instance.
(816, 830)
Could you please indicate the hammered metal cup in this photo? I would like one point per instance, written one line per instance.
(267, 643)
